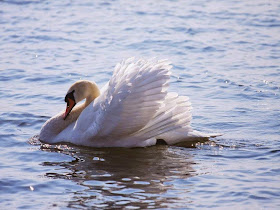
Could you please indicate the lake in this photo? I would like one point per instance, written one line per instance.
(226, 58)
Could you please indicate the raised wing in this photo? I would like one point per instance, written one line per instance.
(174, 114)
(131, 98)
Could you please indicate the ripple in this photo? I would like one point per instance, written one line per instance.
(19, 2)
(226, 59)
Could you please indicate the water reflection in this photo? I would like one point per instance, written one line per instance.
(118, 177)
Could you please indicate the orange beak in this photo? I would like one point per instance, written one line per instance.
(70, 104)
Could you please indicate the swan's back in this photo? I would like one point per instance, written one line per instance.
(133, 109)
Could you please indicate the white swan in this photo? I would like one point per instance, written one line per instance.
(133, 109)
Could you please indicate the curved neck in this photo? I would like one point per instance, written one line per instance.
(57, 124)
(93, 93)
(90, 91)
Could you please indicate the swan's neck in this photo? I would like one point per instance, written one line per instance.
(75, 113)
(57, 124)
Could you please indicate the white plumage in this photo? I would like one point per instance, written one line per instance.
(134, 109)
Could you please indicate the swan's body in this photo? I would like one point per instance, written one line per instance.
(133, 109)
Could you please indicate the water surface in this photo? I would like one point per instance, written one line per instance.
(226, 58)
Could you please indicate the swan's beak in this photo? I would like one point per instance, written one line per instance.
(70, 104)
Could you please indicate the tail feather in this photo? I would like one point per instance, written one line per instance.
(172, 122)
(199, 134)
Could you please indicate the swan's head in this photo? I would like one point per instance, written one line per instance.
(71, 102)
(79, 91)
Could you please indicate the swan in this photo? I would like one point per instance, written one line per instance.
(134, 109)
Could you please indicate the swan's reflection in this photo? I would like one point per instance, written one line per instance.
(114, 178)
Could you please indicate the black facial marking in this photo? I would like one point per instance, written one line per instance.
(161, 142)
(69, 95)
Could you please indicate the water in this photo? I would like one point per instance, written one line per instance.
(226, 57)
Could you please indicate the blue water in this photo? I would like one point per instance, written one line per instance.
(226, 58)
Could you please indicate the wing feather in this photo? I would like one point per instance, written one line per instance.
(175, 113)
(134, 94)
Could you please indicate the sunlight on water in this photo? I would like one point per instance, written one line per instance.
(226, 58)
